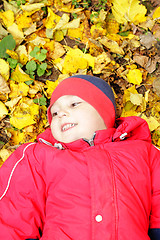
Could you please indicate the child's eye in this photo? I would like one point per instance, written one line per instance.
(75, 104)
(54, 114)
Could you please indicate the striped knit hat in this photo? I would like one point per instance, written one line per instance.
(91, 89)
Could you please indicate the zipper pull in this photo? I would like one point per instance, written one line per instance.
(91, 142)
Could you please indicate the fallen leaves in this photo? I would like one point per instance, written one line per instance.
(129, 11)
(42, 43)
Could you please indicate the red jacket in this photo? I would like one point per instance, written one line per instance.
(108, 191)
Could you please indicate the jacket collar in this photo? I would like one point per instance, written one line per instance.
(101, 136)
(132, 128)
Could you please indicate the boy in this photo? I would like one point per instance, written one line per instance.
(85, 179)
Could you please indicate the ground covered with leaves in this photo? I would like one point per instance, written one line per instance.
(44, 41)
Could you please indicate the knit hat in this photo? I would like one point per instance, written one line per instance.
(91, 89)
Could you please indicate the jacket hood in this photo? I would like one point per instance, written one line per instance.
(131, 128)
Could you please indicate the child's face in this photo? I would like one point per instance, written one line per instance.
(73, 118)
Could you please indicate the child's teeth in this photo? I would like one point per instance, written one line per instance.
(68, 126)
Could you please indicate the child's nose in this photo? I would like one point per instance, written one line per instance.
(63, 113)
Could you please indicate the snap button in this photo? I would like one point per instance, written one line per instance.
(123, 136)
(98, 218)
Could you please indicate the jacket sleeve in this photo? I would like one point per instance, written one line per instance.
(155, 201)
(22, 195)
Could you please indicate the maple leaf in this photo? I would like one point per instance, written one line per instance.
(128, 11)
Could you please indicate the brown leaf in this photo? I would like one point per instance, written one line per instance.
(147, 40)
(140, 59)
(155, 3)
(156, 86)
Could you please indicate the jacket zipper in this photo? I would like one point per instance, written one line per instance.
(114, 197)
(90, 141)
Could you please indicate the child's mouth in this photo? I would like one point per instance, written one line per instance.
(67, 126)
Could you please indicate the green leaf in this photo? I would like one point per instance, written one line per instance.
(43, 66)
(41, 69)
(12, 62)
(29, 82)
(44, 51)
(48, 73)
(41, 57)
(124, 34)
(40, 72)
(7, 42)
(31, 66)
(74, 15)
(34, 52)
(21, 66)
(41, 101)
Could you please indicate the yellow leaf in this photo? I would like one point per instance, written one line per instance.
(23, 21)
(73, 24)
(112, 26)
(4, 154)
(20, 89)
(3, 32)
(128, 113)
(32, 7)
(156, 14)
(37, 87)
(58, 36)
(50, 87)
(11, 104)
(128, 11)
(76, 32)
(56, 51)
(3, 110)
(4, 69)
(75, 59)
(19, 75)
(12, 54)
(25, 114)
(16, 33)
(112, 45)
(152, 122)
(136, 99)
(3, 86)
(64, 20)
(52, 19)
(22, 53)
(134, 76)
(97, 31)
(7, 17)
(17, 136)
(100, 62)
(127, 93)
(63, 7)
